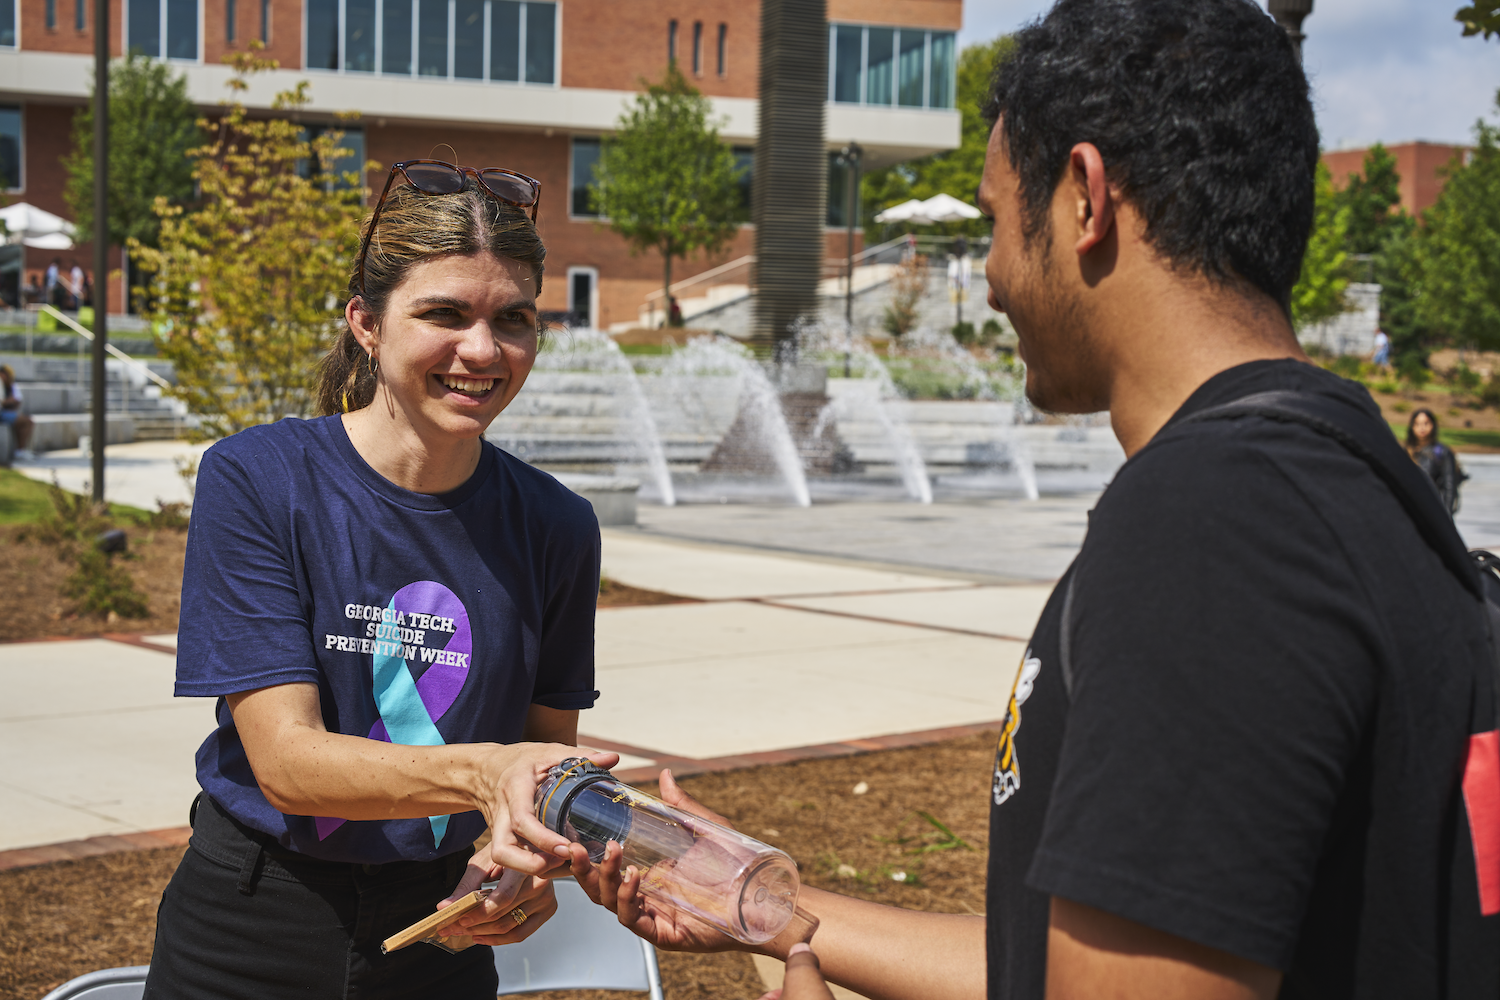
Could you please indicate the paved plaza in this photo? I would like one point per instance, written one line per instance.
(831, 625)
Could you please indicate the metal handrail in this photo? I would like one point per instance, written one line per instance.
(677, 286)
(88, 335)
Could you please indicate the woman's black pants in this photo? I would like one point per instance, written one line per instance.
(245, 919)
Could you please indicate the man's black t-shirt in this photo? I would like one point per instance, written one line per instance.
(1272, 691)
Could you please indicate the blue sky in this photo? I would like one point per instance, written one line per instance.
(1388, 70)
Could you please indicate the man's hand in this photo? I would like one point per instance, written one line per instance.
(620, 891)
(804, 980)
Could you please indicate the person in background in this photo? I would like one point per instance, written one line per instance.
(52, 283)
(76, 282)
(1435, 458)
(1382, 355)
(10, 413)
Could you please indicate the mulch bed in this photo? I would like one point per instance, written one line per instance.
(60, 920)
(36, 609)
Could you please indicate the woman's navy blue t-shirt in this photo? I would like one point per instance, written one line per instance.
(423, 620)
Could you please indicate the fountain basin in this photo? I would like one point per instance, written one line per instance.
(613, 497)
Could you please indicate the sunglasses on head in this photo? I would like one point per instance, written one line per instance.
(441, 177)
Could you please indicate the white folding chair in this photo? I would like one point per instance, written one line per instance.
(583, 947)
(108, 984)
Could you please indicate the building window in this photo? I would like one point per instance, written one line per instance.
(585, 156)
(744, 165)
(838, 194)
(697, 48)
(265, 21)
(352, 139)
(723, 35)
(151, 22)
(671, 42)
(51, 8)
(909, 67)
(80, 15)
(10, 146)
(507, 40)
(8, 23)
(229, 15)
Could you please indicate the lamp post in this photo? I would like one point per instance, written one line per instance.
(101, 239)
(849, 158)
(1289, 14)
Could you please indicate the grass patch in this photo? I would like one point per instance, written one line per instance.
(24, 500)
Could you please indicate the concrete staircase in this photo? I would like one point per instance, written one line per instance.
(58, 397)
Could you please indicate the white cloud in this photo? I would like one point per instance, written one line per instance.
(1389, 70)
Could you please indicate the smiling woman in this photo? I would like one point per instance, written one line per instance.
(374, 579)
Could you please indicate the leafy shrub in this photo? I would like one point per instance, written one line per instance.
(964, 332)
(1414, 373)
(908, 285)
(991, 328)
(1345, 366)
(100, 586)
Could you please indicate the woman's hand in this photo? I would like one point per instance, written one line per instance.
(804, 980)
(513, 911)
(509, 777)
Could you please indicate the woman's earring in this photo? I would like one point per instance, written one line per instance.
(371, 363)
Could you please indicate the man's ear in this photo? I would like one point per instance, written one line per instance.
(1094, 201)
(362, 323)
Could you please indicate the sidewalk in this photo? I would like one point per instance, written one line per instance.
(782, 657)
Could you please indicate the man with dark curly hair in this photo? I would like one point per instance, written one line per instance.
(1231, 759)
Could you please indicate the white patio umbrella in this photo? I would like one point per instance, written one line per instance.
(907, 211)
(946, 208)
(37, 227)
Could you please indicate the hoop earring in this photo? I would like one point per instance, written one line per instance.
(372, 364)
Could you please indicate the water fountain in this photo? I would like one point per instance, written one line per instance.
(590, 364)
(839, 346)
(759, 438)
(980, 384)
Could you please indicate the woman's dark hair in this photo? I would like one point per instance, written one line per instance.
(1412, 441)
(1200, 111)
(415, 227)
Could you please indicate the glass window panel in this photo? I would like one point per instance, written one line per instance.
(505, 40)
(353, 140)
(10, 147)
(541, 52)
(941, 93)
(723, 33)
(468, 39)
(265, 21)
(80, 16)
(182, 29)
(585, 155)
(8, 22)
(395, 43)
(881, 75)
(229, 16)
(848, 41)
(432, 38)
(744, 164)
(322, 34)
(145, 27)
(697, 48)
(359, 35)
(910, 69)
(838, 192)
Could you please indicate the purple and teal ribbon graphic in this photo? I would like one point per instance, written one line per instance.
(410, 706)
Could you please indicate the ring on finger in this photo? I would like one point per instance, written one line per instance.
(518, 915)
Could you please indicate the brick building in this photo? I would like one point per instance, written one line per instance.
(1420, 165)
(525, 84)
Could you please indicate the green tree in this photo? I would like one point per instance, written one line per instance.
(1396, 270)
(1319, 293)
(247, 287)
(1483, 16)
(664, 180)
(956, 172)
(1458, 253)
(1373, 198)
(151, 128)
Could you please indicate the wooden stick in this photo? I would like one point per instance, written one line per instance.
(428, 926)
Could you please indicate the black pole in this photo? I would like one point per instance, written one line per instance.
(850, 156)
(101, 235)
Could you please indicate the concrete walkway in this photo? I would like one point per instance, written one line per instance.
(138, 474)
(779, 653)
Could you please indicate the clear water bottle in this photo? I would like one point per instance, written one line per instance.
(745, 888)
